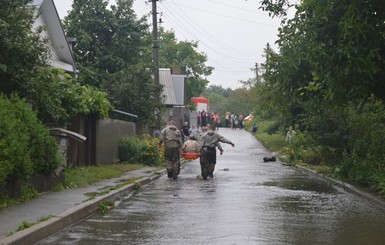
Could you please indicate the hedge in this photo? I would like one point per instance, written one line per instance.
(26, 147)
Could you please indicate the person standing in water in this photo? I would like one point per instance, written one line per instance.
(172, 139)
(209, 142)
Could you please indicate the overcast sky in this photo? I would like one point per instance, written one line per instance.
(232, 33)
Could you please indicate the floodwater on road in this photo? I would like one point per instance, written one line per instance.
(247, 202)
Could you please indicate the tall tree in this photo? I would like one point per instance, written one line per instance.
(114, 54)
(22, 48)
(184, 54)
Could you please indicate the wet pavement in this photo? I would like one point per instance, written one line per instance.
(247, 202)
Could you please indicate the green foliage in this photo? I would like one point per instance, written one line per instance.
(24, 70)
(24, 225)
(26, 146)
(327, 79)
(274, 142)
(275, 8)
(138, 186)
(184, 54)
(22, 48)
(84, 176)
(139, 150)
(113, 54)
(217, 90)
(104, 206)
(26, 193)
(363, 158)
(131, 91)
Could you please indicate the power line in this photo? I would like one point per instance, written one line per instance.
(171, 10)
(207, 34)
(227, 16)
(179, 23)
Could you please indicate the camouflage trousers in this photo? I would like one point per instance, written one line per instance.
(172, 160)
(208, 160)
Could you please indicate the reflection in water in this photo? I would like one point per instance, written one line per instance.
(252, 203)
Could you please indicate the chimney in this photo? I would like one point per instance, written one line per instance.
(176, 70)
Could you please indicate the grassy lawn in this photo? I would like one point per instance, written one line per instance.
(74, 178)
(84, 176)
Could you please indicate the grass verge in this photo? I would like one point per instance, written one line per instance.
(84, 176)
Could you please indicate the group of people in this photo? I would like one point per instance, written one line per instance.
(177, 141)
(233, 121)
(207, 118)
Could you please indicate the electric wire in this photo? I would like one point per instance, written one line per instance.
(220, 53)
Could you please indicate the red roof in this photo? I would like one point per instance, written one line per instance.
(200, 99)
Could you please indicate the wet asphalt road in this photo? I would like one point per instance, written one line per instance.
(247, 202)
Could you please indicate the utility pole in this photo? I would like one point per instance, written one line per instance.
(267, 51)
(155, 39)
(256, 72)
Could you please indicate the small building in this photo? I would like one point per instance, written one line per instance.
(174, 93)
(201, 103)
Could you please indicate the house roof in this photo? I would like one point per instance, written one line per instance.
(61, 54)
(168, 86)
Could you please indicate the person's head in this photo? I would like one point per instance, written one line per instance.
(193, 125)
(192, 137)
(186, 123)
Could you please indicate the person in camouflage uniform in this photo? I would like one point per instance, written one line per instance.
(210, 140)
(171, 138)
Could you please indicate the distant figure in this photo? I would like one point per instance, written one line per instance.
(171, 138)
(185, 131)
(234, 121)
(240, 121)
(227, 119)
(194, 131)
(255, 127)
(290, 135)
(203, 121)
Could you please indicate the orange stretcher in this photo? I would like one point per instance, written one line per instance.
(190, 156)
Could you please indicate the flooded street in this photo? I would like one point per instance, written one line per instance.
(247, 202)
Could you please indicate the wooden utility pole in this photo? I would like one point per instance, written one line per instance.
(155, 39)
(257, 72)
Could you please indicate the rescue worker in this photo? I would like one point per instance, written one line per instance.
(210, 140)
(171, 138)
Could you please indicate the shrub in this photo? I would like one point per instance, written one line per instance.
(139, 150)
(26, 147)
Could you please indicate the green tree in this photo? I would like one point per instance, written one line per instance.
(24, 70)
(219, 90)
(113, 52)
(22, 49)
(328, 79)
(184, 54)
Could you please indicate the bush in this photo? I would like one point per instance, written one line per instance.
(139, 150)
(26, 147)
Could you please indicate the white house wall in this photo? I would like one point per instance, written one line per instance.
(61, 55)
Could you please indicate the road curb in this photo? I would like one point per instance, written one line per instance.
(44, 229)
(348, 187)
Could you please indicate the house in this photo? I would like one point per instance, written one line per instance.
(61, 53)
(174, 92)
